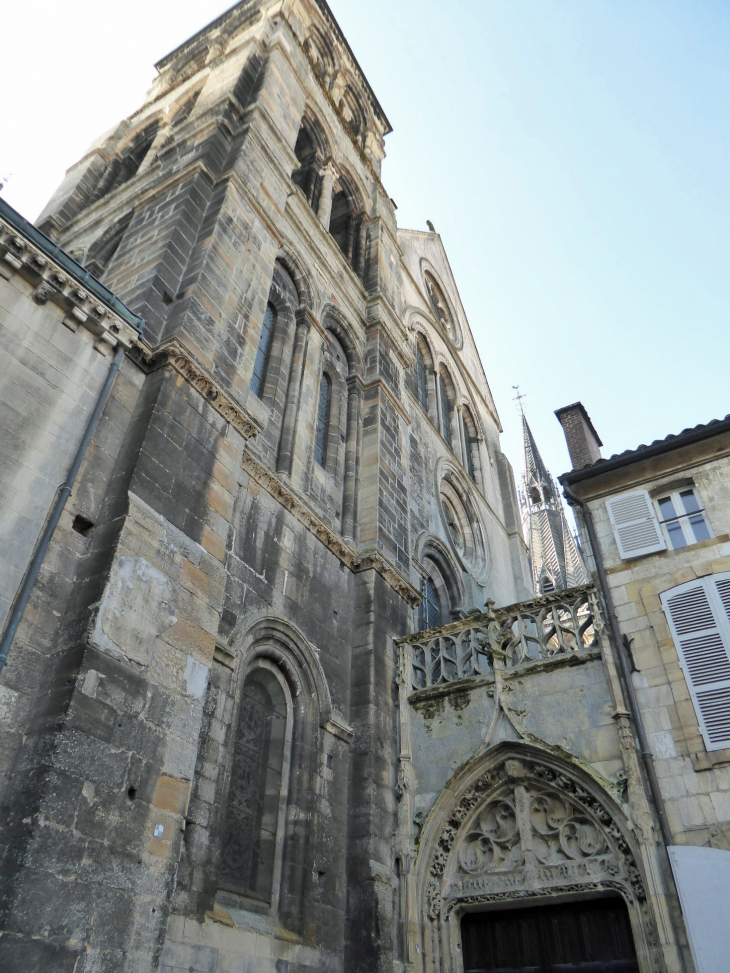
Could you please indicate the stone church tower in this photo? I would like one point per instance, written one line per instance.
(555, 561)
(299, 463)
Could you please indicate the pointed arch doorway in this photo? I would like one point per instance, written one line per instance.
(586, 936)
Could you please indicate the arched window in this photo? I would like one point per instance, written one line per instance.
(421, 376)
(251, 849)
(323, 419)
(264, 351)
(430, 604)
(439, 304)
(471, 444)
(445, 410)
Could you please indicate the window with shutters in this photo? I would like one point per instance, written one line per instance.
(635, 524)
(698, 613)
(683, 518)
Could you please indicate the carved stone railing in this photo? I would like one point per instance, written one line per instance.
(556, 625)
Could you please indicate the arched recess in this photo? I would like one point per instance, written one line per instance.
(519, 826)
(296, 267)
(100, 252)
(443, 310)
(462, 519)
(446, 406)
(335, 483)
(127, 160)
(437, 565)
(312, 151)
(319, 49)
(470, 445)
(334, 320)
(348, 222)
(424, 375)
(272, 657)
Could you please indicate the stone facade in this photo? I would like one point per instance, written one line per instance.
(276, 478)
(256, 716)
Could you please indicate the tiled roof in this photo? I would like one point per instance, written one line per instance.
(672, 441)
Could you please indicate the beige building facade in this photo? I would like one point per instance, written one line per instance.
(660, 515)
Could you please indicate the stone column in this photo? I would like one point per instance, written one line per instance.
(351, 453)
(324, 210)
(288, 427)
(461, 436)
(350, 243)
(362, 235)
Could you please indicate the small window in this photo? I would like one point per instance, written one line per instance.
(430, 604)
(323, 419)
(422, 375)
(264, 351)
(683, 518)
(445, 412)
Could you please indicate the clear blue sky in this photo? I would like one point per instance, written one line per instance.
(573, 154)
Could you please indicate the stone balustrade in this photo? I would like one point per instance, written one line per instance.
(555, 625)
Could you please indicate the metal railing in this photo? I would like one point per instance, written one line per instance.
(557, 624)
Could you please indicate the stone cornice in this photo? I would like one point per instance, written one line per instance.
(373, 559)
(368, 559)
(55, 284)
(298, 507)
(175, 355)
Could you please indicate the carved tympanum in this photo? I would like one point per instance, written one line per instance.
(524, 828)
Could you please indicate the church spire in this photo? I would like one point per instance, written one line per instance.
(554, 557)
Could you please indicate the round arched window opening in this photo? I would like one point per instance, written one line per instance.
(255, 812)
(464, 526)
(441, 307)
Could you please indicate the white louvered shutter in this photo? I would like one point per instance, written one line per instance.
(699, 617)
(635, 525)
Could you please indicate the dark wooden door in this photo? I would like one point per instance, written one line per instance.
(578, 937)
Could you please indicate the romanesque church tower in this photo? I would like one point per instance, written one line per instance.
(299, 463)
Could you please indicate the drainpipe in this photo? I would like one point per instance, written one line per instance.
(644, 750)
(31, 575)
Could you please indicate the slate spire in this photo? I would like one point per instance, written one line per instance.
(555, 560)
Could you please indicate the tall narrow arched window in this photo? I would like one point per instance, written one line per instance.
(264, 351)
(430, 604)
(421, 376)
(445, 411)
(471, 444)
(251, 851)
(323, 419)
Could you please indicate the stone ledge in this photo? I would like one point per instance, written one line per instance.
(175, 355)
(55, 283)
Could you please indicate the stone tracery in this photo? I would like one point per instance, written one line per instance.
(525, 828)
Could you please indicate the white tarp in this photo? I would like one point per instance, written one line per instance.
(703, 880)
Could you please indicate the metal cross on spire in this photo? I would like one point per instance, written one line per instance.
(518, 399)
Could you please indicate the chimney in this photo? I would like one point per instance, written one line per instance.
(582, 439)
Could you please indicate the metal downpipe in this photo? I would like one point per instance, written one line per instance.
(644, 749)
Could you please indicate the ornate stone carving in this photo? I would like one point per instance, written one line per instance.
(177, 357)
(373, 558)
(525, 828)
(53, 283)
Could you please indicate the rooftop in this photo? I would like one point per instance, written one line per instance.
(673, 441)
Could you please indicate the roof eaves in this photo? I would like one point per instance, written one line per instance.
(673, 441)
(72, 268)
